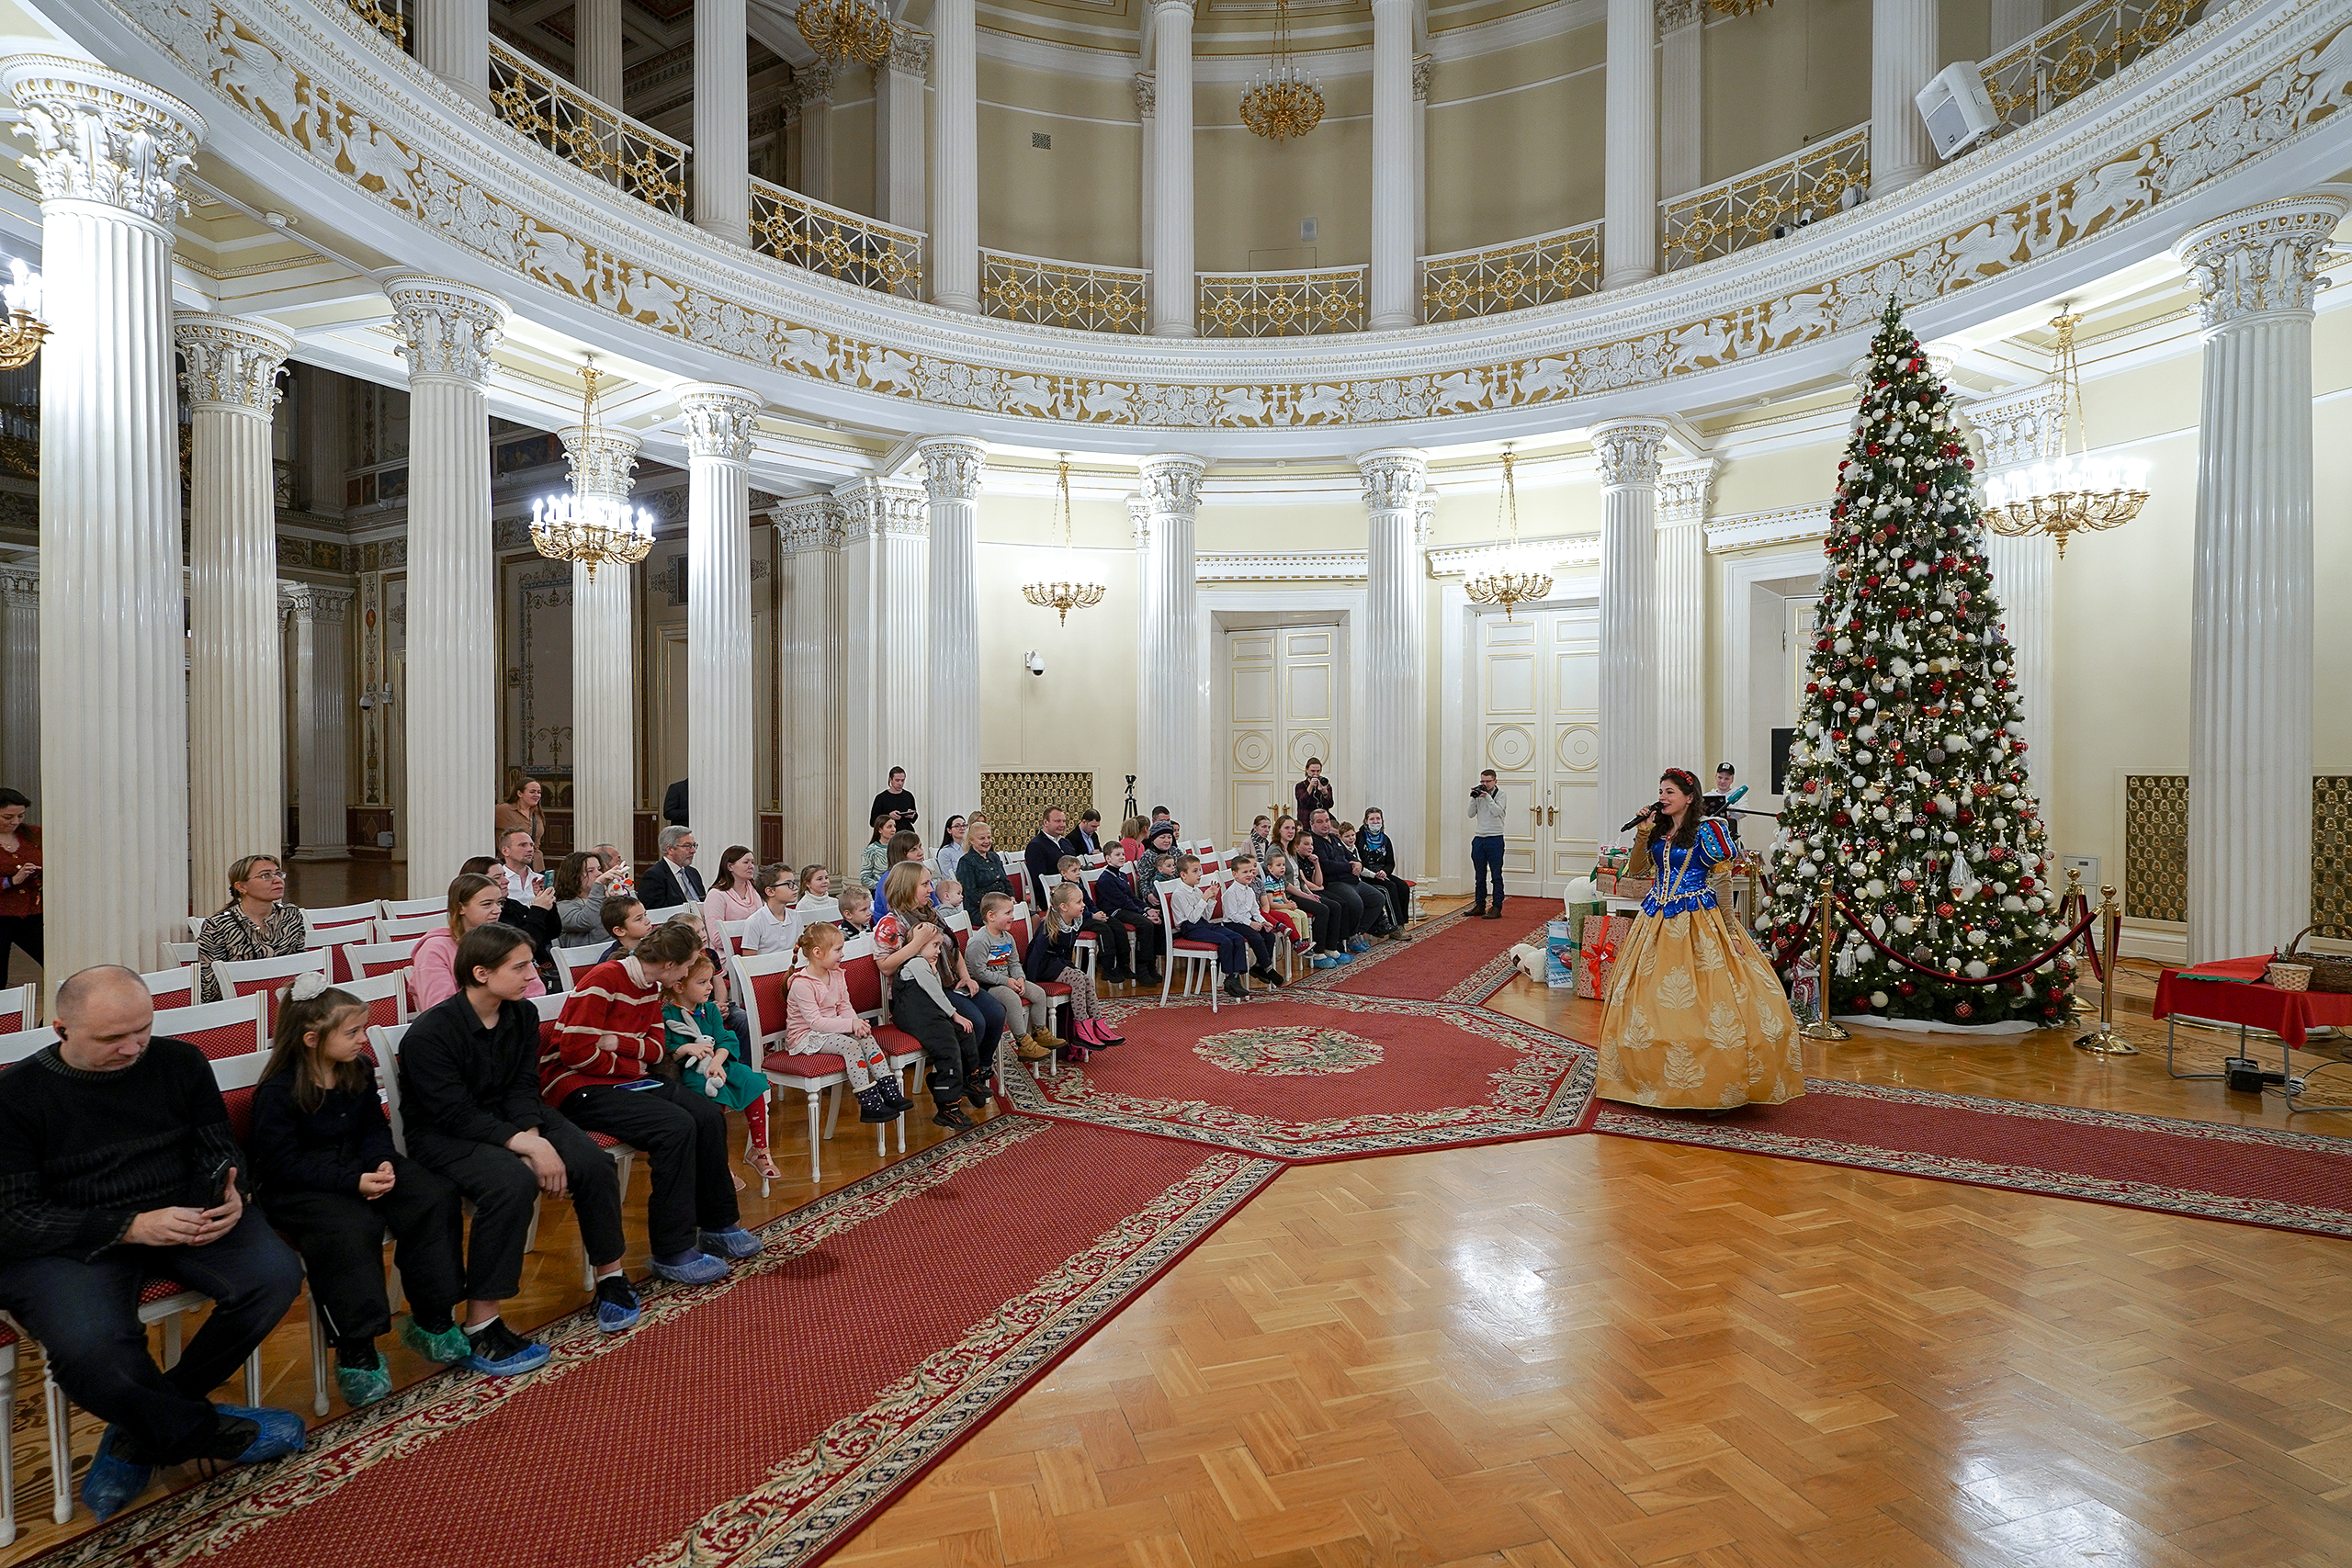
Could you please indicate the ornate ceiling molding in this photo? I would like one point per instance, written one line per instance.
(1334, 565)
(2019, 427)
(1783, 526)
(2252, 93)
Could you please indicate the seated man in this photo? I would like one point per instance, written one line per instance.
(1042, 856)
(117, 1166)
(469, 1101)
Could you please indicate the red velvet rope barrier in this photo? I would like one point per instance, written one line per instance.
(2090, 944)
(2027, 967)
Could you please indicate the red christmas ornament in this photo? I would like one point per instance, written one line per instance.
(1907, 987)
(1944, 911)
(1963, 1009)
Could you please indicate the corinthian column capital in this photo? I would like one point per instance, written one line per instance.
(1393, 476)
(2262, 260)
(99, 135)
(446, 329)
(1684, 490)
(230, 362)
(1171, 482)
(1628, 450)
(602, 460)
(1144, 84)
(719, 420)
(952, 466)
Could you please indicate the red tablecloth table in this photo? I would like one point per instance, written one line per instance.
(2289, 1015)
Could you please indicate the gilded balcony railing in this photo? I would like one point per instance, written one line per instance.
(1511, 276)
(1732, 214)
(631, 156)
(1281, 304)
(2080, 49)
(864, 253)
(1063, 294)
(385, 17)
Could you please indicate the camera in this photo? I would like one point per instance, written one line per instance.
(1036, 662)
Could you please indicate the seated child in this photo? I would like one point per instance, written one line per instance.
(908, 945)
(330, 1179)
(991, 959)
(1196, 921)
(1274, 897)
(1053, 957)
(775, 927)
(818, 1016)
(708, 1055)
(1239, 908)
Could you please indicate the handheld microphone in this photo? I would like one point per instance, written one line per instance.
(1638, 818)
(1733, 799)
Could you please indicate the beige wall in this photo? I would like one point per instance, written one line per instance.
(1541, 107)
(1076, 201)
(1249, 194)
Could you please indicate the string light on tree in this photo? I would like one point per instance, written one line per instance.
(2076, 492)
(1517, 576)
(1077, 588)
(591, 527)
(1907, 783)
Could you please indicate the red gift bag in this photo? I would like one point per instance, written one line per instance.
(1596, 951)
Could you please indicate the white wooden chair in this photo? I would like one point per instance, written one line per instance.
(15, 1009)
(269, 976)
(181, 953)
(570, 962)
(400, 908)
(168, 988)
(397, 927)
(21, 1044)
(1192, 955)
(230, 1028)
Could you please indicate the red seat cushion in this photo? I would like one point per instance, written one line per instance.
(7, 1334)
(239, 1103)
(896, 1042)
(161, 1289)
(605, 1140)
(1054, 988)
(808, 1065)
(1184, 946)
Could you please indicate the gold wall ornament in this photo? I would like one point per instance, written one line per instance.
(627, 154)
(2075, 492)
(1515, 577)
(2076, 53)
(1309, 303)
(1287, 102)
(1078, 295)
(20, 339)
(1076, 589)
(1737, 7)
(1732, 214)
(863, 252)
(1540, 270)
(845, 30)
(588, 527)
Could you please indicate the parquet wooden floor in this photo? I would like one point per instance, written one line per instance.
(1603, 1351)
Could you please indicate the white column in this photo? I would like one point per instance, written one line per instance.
(448, 331)
(1171, 170)
(1394, 753)
(813, 91)
(604, 646)
(1423, 66)
(1146, 85)
(1629, 170)
(319, 647)
(1902, 61)
(885, 605)
(2015, 432)
(1171, 769)
(2016, 20)
(952, 466)
(1395, 170)
(719, 421)
(722, 163)
(596, 58)
(809, 539)
(453, 41)
(956, 159)
(1683, 491)
(900, 127)
(236, 679)
(20, 679)
(2250, 677)
(1679, 30)
(1628, 450)
(326, 399)
(108, 154)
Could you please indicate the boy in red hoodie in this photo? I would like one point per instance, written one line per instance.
(600, 1073)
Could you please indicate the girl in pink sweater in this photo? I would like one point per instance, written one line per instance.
(818, 1016)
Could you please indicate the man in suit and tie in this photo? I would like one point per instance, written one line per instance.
(1043, 857)
(672, 879)
(1086, 838)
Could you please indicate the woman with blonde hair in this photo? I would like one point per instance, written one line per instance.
(255, 923)
(474, 901)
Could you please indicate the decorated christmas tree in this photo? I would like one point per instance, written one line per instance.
(1908, 783)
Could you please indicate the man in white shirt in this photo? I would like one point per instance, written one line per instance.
(515, 853)
(1486, 845)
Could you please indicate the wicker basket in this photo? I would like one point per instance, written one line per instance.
(2328, 973)
(2290, 976)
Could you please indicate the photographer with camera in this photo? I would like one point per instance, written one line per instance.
(1486, 845)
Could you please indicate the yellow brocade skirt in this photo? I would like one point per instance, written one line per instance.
(1695, 1018)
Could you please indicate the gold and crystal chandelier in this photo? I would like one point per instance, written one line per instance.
(20, 339)
(1286, 101)
(591, 527)
(1076, 589)
(2075, 492)
(846, 31)
(1514, 576)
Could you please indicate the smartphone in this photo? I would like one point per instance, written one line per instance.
(217, 1184)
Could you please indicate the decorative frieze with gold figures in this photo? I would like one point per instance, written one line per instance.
(2253, 91)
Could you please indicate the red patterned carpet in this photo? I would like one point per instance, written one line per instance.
(2298, 1181)
(759, 1420)
(1451, 959)
(1318, 1074)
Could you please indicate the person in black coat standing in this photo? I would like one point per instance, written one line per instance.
(895, 803)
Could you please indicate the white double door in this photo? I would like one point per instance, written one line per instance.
(1539, 727)
(1283, 707)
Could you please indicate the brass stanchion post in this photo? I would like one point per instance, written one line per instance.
(1824, 1027)
(2079, 1004)
(2103, 1041)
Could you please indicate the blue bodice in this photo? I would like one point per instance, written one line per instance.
(1681, 884)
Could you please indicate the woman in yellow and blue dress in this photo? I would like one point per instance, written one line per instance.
(1694, 1019)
